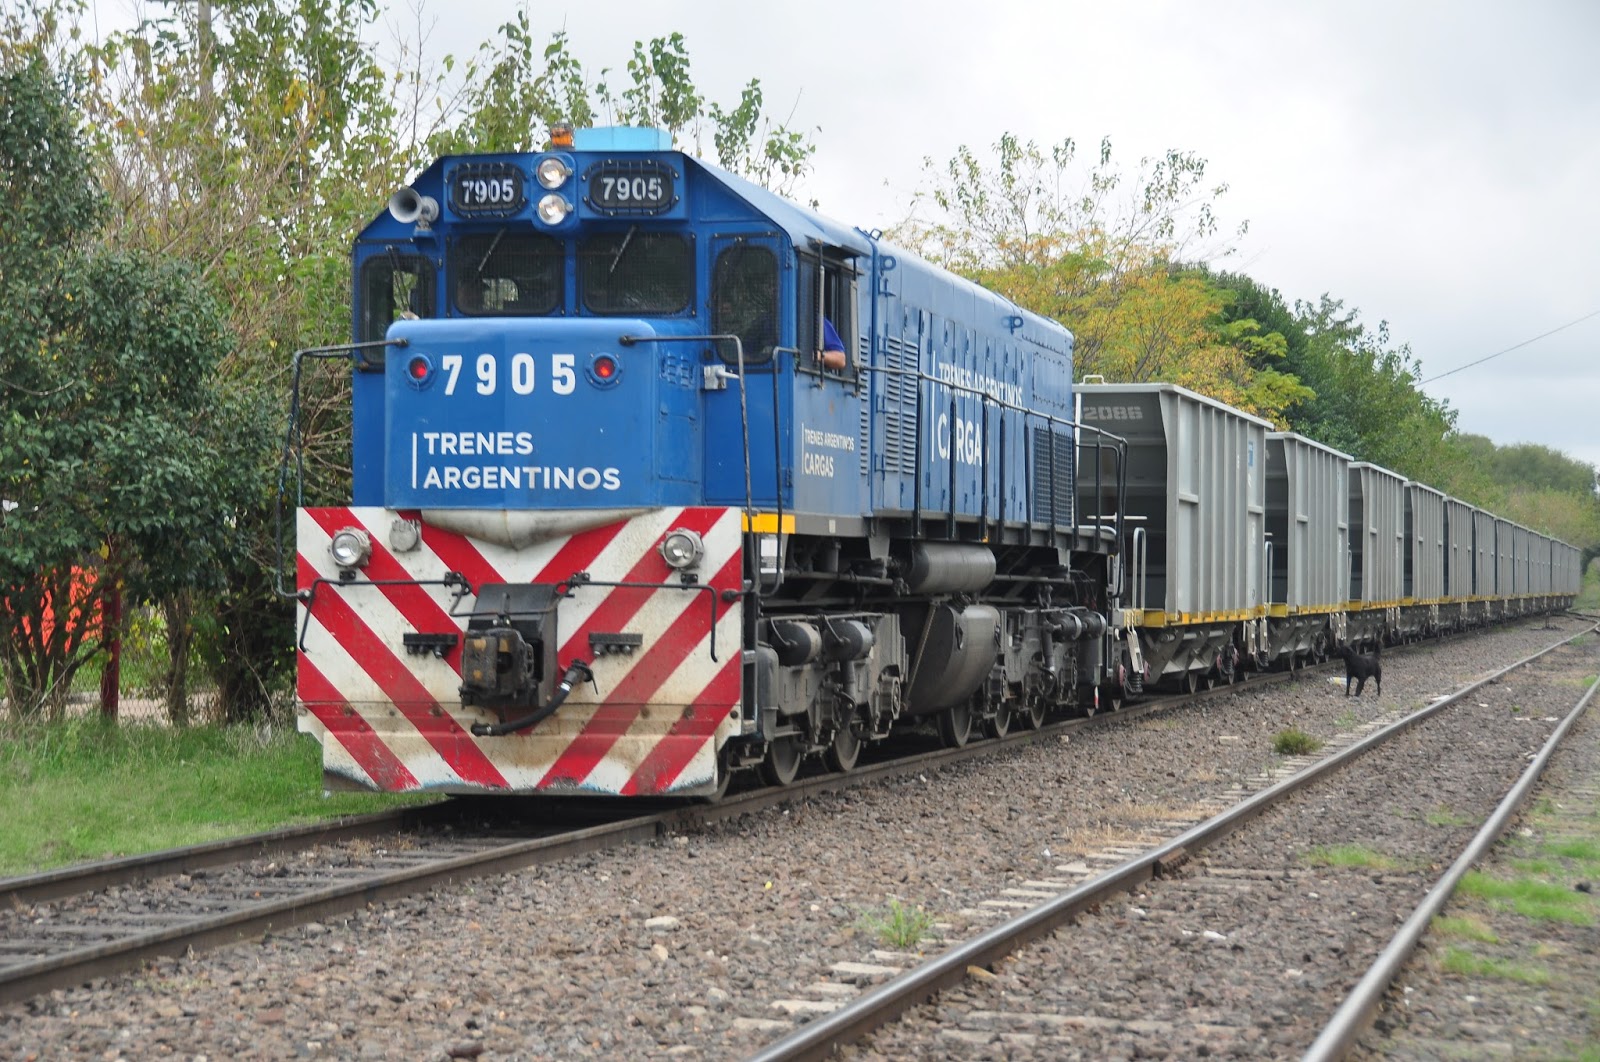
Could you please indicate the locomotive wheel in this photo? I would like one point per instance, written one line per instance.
(1032, 717)
(724, 778)
(842, 754)
(1111, 698)
(782, 760)
(955, 726)
(1000, 724)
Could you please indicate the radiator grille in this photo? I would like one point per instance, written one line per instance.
(900, 407)
(1052, 484)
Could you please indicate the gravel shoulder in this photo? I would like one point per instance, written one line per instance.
(683, 947)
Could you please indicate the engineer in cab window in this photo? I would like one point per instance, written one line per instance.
(833, 356)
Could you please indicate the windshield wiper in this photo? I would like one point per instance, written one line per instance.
(623, 246)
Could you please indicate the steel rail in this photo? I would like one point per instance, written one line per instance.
(79, 878)
(1356, 1014)
(826, 1034)
(27, 979)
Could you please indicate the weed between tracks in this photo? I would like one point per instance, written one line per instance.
(1294, 742)
(1462, 961)
(898, 926)
(1349, 855)
(1443, 816)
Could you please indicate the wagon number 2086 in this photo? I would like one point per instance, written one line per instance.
(1113, 413)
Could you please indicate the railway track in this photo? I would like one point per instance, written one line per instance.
(991, 1017)
(67, 926)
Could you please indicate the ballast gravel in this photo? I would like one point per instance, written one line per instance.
(711, 943)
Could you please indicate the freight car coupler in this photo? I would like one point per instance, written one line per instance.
(576, 672)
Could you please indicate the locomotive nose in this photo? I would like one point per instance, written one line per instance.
(538, 415)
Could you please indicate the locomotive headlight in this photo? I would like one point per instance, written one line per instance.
(682, 548)
(350, 547)
(553, 173)
(553, 209)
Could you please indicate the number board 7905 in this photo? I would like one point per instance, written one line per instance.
(487, 189)
(631, 188)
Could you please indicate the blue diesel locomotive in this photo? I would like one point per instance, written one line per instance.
(622, 525)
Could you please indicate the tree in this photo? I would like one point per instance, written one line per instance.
(1102, 253)
(256, 143)
(113, 451)
(1367, 401)
(513, 92)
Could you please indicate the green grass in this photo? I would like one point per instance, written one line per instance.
(1589, 595)
(1348, 855)
(1537, 900)
(1461, 961)
(899, 926)
(1294, 742)
(1465, 928)
(86, 789)
(1539, 868)
(1583, 850)
(1443, 816)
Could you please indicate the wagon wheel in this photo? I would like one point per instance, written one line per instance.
(782, 760)
(1111, 699)
(1190, 681)
(955, 725)
(845, 749)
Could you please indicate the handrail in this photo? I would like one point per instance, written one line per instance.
(1140, 567)
(1102, 438)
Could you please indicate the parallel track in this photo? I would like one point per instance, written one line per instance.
(825, 1035)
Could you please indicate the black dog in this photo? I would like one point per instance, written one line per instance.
(1360, 668)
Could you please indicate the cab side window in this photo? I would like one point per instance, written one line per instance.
(744, 301)
(393, 286)
(827, 293)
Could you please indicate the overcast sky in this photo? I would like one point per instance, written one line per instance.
(1434, 164)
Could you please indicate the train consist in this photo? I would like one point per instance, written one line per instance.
(627, 519)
